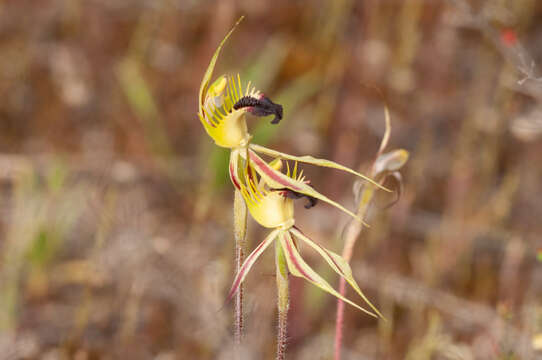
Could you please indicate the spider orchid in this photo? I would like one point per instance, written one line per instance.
(223, 107)
(271, 204)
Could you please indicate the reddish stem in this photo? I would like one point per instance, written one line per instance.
(351, 233)
(339, 320)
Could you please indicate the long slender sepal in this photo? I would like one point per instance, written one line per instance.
(276, 179)
(337, 263)
(211, 67)
(251, 259)
(314, 161)
(298, 267)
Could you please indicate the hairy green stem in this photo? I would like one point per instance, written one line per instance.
(283, 300)
(240, 233)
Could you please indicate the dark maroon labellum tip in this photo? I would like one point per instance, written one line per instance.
(260, 107)
(290, 194)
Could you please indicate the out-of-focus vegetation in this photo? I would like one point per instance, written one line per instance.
(116, 238)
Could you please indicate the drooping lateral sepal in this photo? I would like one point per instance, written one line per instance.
(337, 263)
(298, 267)
(250, 260)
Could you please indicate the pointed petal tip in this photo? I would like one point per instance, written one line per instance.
(298, 267)
(338, 264)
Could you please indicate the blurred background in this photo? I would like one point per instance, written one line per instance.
(116, 209)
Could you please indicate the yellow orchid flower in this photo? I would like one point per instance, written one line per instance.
(224, 104)
(273, 207)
